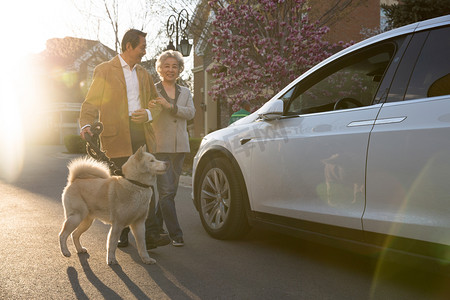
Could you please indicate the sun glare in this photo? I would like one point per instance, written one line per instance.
(11, 150)
(25, 26)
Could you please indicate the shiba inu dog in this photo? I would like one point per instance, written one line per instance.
(92, 193)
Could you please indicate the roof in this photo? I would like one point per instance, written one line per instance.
(66, 51)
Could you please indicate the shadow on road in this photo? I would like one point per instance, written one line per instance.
(137, 292)
(410, 272)
(106, 292)
(164, 279)
(74, 281)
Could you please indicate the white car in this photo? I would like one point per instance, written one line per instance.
(355, 150)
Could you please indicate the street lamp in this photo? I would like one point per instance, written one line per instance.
(178, 25)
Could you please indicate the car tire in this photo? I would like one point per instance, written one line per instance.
(221, 200)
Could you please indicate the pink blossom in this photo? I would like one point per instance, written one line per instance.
(264, 45)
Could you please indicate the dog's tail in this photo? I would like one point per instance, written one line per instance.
(86, 167)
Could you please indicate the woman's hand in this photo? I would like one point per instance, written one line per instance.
(163, 102)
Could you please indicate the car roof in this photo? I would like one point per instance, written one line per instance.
(422, 25)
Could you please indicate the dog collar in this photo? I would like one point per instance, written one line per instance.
(138, 183)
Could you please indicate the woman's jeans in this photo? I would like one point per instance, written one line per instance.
(167, 184)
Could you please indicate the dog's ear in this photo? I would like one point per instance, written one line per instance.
(138, 153)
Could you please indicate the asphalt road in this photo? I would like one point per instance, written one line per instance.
(265, 265)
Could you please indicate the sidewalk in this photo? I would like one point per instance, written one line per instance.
(186, 181)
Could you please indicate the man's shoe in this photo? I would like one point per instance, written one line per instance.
(157, 241)
(163, 232)
(178, 242)
(123, 241)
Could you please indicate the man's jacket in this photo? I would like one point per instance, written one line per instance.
(107, 102)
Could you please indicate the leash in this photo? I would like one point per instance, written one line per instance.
(94, 151)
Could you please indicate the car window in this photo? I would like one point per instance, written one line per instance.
(286, 96)
(353, 81)
(397, 89)
(431, 74)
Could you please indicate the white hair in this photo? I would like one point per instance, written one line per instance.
(165, 55)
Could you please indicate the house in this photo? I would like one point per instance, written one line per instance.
(345, 18)
(64, 73)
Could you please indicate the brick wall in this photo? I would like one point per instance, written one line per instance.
(346, 18)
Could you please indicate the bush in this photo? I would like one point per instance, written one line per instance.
(74, 144)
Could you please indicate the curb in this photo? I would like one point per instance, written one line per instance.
(186, 181)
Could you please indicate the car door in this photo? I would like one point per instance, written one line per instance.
(310, 164)
(408, 190)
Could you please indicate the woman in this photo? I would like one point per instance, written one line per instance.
(172, 140)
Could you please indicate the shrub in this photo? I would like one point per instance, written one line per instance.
(74, 144)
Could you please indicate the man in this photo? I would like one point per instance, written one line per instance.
(121, 90)
(245, 111)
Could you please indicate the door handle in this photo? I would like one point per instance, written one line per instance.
(377, 121)
(389, 120)
(244, 141)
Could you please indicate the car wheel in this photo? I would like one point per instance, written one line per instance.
(221, 201)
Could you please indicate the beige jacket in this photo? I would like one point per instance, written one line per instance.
(107, 102)
(170, 127)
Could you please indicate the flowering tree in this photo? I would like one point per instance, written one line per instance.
(260, 46)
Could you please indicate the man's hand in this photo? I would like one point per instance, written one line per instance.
(84, 131)
(155, 102)
(139, 116)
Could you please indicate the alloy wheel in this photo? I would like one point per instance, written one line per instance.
(215, 198)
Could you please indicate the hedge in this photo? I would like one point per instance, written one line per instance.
(74, 144)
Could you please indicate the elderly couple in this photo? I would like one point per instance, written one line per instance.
(134, 112)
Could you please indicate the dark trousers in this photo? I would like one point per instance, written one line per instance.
(137, 141)
(167, 190)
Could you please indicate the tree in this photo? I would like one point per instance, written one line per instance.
(411, 11)
(261, 46)
(114, 21)
(108, 20)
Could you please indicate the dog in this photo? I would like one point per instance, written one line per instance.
(92, 193)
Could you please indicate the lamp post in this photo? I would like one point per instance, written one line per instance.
(178, 25)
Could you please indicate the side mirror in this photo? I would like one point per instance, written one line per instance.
(271, 110)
